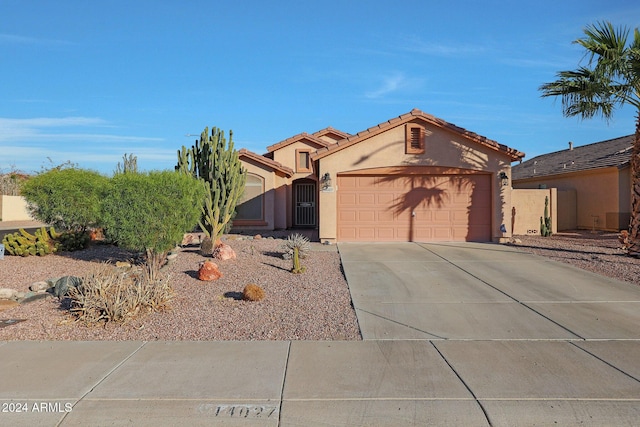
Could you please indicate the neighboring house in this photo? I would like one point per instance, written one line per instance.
(412, 178)
(593, 182)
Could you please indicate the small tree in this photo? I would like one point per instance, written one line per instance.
(68, 199)
(219, 167)
(150, 212)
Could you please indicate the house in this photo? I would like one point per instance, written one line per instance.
(593, 183)
(412, 178)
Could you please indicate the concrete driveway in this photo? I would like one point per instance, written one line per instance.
(483, 292)
(531, 339)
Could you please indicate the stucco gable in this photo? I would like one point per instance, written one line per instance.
(246, 155)
(310, 140)
(417, 115)
(331, 135)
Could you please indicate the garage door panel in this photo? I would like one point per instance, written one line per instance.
(367, 215)
(386, 199)
(422, 233)
(347, 216)
(386, 233)
(347, 199)
(379, 208)
(366, 233)
(386, 216)
(365, 181)
(348, 182)
(367, 199)
(442, 216)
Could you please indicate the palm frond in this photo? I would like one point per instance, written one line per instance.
(604, 42)
(610, 79)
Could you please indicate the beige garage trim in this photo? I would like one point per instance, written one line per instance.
(414, 207)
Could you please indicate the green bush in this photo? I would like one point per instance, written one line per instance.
(150, 212)
(68, 199)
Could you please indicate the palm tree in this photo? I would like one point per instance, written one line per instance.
(609, 80)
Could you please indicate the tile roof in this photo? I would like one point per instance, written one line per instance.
(299, 137)
(243, 152)
(331, 132)
(415, 113)
(611, 153)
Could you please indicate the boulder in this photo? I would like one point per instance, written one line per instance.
(7, 293)
(191, 239)
(224, 252)
(208, 271)
(39, 286)
(206, 246)
(63, 284)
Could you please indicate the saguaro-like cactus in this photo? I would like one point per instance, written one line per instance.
(545, 222)
(217, 164)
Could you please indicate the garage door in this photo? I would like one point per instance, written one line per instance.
(414, 208)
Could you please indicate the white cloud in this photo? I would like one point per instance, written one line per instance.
(417, 45)
(389, 85)
(27, 143)
(40, 127)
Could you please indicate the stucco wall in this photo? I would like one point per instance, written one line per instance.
(442, 148)
(270, 185)
(287, 157)
(527, 208)
(602, 196)
(14, 208)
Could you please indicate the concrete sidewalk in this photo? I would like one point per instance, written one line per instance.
(465, 335)
(381, 383)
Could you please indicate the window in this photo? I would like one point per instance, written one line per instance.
(414, 139)
(303, 160)
(250, 205)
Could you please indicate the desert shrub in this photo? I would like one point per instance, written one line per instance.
(68, 199)
(252, 292)
(10, 183)
(150, 212)
(109, 294)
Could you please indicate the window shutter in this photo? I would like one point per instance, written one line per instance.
(416, 138)
(414, 135)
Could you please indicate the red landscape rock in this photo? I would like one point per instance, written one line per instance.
(224, 252)
(209, 271)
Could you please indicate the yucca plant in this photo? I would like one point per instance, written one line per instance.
(296, 247)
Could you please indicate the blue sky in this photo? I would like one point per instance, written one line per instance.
(88, 81)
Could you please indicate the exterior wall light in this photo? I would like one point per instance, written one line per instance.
(326, 181)
(504, 179)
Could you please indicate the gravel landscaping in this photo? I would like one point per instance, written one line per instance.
(315, 305)
(599, 252)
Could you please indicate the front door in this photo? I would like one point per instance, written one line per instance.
(305, 204)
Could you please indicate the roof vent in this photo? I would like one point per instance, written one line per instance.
(570, 145)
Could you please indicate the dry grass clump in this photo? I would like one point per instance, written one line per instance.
(111, 294)
(252, 292)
